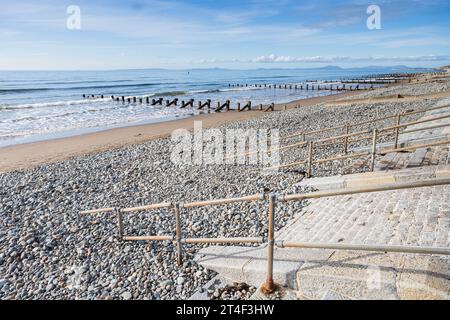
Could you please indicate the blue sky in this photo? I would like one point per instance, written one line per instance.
(230, 34)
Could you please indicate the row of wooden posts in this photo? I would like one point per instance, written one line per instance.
(226, 106)
(187, 103)
(306, 87)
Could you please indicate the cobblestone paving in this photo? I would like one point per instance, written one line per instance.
(405, 217)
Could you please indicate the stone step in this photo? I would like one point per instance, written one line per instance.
(417, 158)
(392, 276)
(377, 178)
(249, 264)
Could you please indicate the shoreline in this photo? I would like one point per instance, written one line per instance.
(28, 155)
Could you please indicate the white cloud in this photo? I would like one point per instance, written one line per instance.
(289, 59)
(273, 58)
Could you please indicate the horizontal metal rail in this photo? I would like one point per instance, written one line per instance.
(195, 240)
(149, 238)
(426, 110)
(286, 165)
(364, 247)
(414, 147)
(255, 197)
(299, 144)
(427, 128)
(343, 157)
(371, 136)
(148, 207)
(349, 191)
(128, 210)
(223, 240)
(343, 136)
(414, 123)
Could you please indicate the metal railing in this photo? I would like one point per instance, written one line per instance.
(271, 241)
(346, 141)
(177, 238)
(375, 134)
(347, 126)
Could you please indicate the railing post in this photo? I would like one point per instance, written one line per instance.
(397, 131)
(269, 286)
(347, 130)
(374, 150)
(310, 158)
(176, 208)
(119, 215)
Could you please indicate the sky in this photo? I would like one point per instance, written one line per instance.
(235, 34)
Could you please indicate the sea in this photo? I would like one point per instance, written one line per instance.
(41, 105)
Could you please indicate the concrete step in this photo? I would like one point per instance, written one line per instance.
(417, 158)
(249, 264)
(356, 275)
(377, 178)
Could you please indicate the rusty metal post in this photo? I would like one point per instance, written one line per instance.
(347, 131)
(374, 150)
(269, 286)
(397, 131)
(310, 158)
(119, 215)
(176, 208)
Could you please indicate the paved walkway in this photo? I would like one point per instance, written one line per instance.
(415, 217)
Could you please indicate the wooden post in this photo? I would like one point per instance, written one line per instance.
(310, 158)
(119, 214)
(397, 131)
(176, 209)
(284, 107)
(260, 107)
(239, 107)
(347, 131)
(269, 286)
(374, 150)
